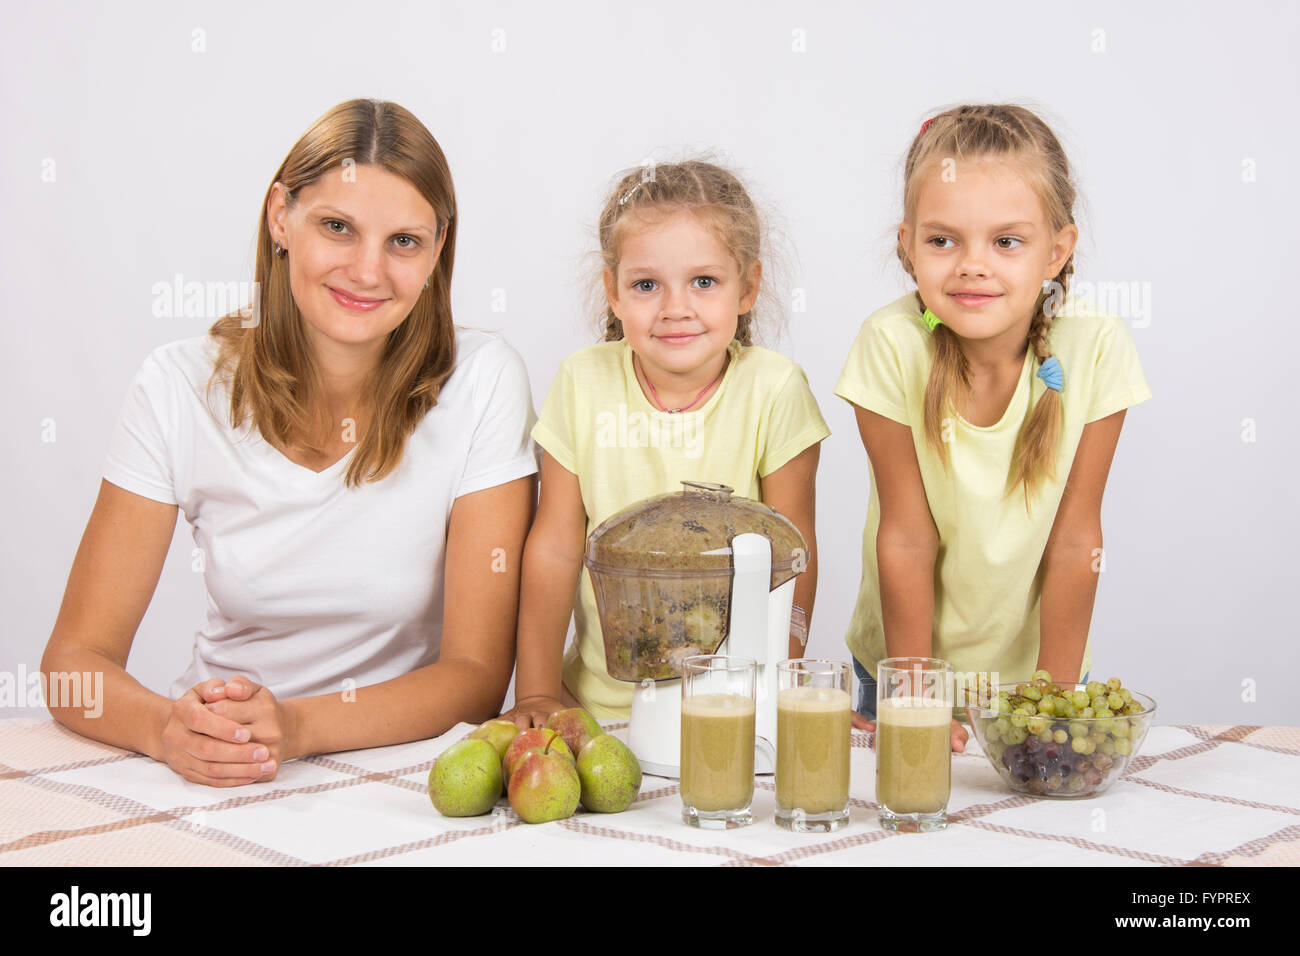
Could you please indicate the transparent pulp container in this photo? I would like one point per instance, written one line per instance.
(662, 572)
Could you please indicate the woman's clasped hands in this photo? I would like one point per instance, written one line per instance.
(227, 733)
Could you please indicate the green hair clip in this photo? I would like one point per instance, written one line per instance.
(931, 320)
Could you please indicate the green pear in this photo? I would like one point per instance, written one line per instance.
(466, 779)
(610, 775)
(498, 732)
(575, 725)
(544, 786)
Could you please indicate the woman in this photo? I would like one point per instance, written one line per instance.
(357, 473)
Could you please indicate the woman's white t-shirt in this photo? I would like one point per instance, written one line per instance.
(312, 587)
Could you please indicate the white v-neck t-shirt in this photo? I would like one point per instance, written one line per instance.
(314, 588)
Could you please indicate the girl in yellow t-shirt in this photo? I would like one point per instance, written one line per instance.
(675, 392)
(990, 405)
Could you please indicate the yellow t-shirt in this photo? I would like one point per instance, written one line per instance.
(987, 580)
(598, 424)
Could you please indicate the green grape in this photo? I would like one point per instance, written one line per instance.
(1053, 784)
(1120, 727)
(1025, 710)
(1114, 701)
(1079, 744)
(1020, 689)
(1106, 726)
(1036, 725)
(1001, 726)
(1089, 745)
(1127, 694)
(1114, 684)
(1019, 721)
(1133, 708)
(1078, 729)
(1004, 706)
(1042, 675)
(1107, 746)
(1097, 736)
(1098, 702)
(1123, 746)
(1032, 693)
(1086, 714)
(1102, 712)
(1017, 735)
(1095, 687)
(1075, 782)
(1045, 736)
(1067, 709)
(1060, 736)
(1080, 698)
(1047, 706)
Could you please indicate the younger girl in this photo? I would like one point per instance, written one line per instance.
(990, 408)
(680, 249)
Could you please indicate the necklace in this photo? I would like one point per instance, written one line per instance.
(674, 411)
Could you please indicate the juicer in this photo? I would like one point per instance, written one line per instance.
(699, 571)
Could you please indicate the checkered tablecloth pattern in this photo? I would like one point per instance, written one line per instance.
(1194, 795)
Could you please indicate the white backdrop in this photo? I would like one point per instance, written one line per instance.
(140, 138)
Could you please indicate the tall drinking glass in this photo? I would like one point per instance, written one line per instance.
(812, 744)
(717, 760)
(914, 700)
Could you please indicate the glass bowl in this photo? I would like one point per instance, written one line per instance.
(1049, 755)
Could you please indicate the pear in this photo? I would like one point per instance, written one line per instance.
(545, 785)
(610, 775)
(534, 738)
(466, 779)
(498, 732)
(575, 725)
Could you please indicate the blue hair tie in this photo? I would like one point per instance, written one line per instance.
(931, 320)
(1050, 372)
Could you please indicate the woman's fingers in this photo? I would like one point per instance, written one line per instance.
(959, 737)
(200, 719)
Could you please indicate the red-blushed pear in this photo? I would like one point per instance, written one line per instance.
(534, 738)
(545, 785)
(575, 725)
(610, 775)
(466, 779)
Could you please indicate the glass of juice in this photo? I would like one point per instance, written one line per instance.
(914, 700)
(812, 745)
(717, 741)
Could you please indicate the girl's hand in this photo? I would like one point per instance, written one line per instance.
(533, 711)
(260, 714)
(206, 747)
(959, 733)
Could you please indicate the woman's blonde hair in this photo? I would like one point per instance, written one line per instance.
(268, 364)
(695, 186)
(1017, 135)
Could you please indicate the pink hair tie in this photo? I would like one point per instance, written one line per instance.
(926, 125)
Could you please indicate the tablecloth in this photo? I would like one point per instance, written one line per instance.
(1205, 795)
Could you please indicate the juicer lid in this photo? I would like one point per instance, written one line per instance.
(688, 533)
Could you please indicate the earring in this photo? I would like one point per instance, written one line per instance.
(426, 283)
(280, 251)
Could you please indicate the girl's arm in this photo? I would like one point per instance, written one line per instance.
(1072, 558)
(907, 542)
(792, 490)
(552, 564)
(485, 540)
(109, 587)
